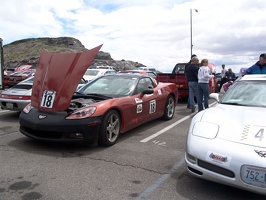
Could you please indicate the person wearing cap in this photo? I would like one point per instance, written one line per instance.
(188, 100)
(192, 79)
(259, 67)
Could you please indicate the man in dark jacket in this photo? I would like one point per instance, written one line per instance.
(192, 56)
(192, 78)
(259, 67)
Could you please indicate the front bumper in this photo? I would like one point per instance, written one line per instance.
(54, 127)
(226, 169)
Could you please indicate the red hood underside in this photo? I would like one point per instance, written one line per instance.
(57, 77)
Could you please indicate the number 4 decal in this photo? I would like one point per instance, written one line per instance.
(259, 134)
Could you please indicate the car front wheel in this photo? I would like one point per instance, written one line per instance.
(110, 128)
(169, 109)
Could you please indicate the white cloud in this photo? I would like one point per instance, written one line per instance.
(153, 32)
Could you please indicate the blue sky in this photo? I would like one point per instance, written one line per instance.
(155, 33)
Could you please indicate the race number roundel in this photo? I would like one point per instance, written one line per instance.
(48, 99)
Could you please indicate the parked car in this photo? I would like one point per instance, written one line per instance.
(19, 76)
(226, 143)
(100, 110)
(18, 96)
(143, 72)
(94, 73)
(6, 76)
(178, 77)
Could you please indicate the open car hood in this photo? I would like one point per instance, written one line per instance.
(57, 77)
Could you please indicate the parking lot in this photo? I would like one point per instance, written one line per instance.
(146, 163)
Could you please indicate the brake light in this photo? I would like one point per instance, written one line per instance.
(15, 97)
(27, 109)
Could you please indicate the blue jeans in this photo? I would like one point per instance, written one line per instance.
(193, 85)
(203, 92)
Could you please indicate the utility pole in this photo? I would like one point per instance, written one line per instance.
(1, 65)
(191, 44)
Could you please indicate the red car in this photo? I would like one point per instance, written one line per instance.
(99, 111)
(16, 77)
(6, 76)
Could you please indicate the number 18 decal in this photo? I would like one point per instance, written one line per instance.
(48, 99)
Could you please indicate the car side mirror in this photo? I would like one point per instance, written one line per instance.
(146, 92)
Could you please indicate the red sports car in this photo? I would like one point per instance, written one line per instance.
(99, 111)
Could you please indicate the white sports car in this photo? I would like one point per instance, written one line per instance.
(226, 143)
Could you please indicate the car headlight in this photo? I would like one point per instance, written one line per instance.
(27, 109)
(82, 113)
(205, 129)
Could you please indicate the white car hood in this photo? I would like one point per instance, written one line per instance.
(246, 125)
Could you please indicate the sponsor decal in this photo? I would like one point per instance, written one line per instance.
(261, 153)
(218, 158)
(139, 108)
(137, 100)
(42, 116)
(160, 92)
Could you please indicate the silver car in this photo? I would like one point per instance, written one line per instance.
(226, 143)
(18, 96)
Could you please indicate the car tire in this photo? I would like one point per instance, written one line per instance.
(169, 108)
(109, 129)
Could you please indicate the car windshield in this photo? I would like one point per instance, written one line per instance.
(110, 86)
(22, 86)
(29, 80)
(92, 72)
(247, 93)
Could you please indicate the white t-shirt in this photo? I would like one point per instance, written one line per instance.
(204, 74)
(223, 73)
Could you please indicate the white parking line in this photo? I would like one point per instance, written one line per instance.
(159, 182)
(169, 127)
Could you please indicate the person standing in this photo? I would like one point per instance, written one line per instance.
(259, 67)
(192, 56)
(230, 75)
(223, 78)
(192, 78)
(204, 75)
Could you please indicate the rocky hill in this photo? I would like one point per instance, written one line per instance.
(27, 51)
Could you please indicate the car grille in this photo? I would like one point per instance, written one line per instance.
(216, 169)
(43, 134)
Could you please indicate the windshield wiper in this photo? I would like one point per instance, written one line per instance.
(79, 93)
(99, 95)
(233, 103)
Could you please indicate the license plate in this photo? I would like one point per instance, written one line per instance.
(254, 175)
(9, 106)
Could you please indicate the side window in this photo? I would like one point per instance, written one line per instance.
(143, 84)
(110, 72)
(151, 74)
